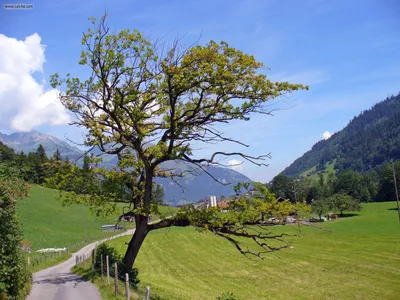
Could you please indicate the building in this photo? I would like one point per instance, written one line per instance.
(212, 201)
(223, 205)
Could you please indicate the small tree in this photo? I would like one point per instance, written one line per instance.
(320, 206)
(148, 103)
(158, 194)
(342, 202)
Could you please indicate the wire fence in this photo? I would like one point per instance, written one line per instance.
(37, 260)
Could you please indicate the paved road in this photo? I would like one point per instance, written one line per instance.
(58, 282)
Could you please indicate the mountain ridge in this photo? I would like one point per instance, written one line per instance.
(369, 141)
(194, 187)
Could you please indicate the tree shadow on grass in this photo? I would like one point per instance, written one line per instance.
(348, 215)
(394, 208)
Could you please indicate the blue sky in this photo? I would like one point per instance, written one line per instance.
(347, 51)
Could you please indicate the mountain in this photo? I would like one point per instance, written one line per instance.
(199, 185)
(30, 141)
(195, 187)
(368, 142)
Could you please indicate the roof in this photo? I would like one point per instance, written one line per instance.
(280, 199)
(223, 203)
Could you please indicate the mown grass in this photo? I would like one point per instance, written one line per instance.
(46, 223)
(329, 168)
(359, 259)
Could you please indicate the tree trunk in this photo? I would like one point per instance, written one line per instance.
(136, 241)
(142, 227)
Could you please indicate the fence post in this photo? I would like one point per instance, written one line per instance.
(147, 293)
(108, 271)
(101, 266)
(93, 260)
(127, 286)
(76, 259)
(116, 278)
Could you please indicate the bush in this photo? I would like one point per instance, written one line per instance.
(115, 257)
(14, 276)
(227, 296)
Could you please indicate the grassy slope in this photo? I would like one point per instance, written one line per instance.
(46, 223)
(359, 260)
(329, 168)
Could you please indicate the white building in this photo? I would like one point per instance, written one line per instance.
(212, 202)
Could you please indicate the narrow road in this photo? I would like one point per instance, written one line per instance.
(58, 282)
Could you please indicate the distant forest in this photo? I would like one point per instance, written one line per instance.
(367, 143)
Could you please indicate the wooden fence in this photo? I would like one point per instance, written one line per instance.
(110, 270)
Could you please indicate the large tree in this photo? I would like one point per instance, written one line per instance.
(342, 202)
(386, 190)
(283, 186)
(148, 103)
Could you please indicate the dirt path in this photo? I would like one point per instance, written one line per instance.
(58, 282)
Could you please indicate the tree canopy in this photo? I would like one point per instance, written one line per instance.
(148, 102)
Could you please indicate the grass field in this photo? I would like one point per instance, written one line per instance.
(360, 259)
(329, 168)
(47, 224)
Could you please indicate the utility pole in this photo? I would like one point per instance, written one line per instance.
(395, 187)
(295, 190)
(84, 221)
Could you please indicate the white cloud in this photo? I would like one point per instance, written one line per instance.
(25, 103)
(326, 135)
(235, 164)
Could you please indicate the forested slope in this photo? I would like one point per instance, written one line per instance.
(368, 142)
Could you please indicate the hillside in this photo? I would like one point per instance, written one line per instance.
(194, 187)
(369, 141)
(30, 141)
(198, 186)
(47, 223)
(359, 263)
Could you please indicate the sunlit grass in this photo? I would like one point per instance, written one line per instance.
(46, 223)
(360, 259)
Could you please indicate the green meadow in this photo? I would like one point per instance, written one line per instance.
(46, 223)
(358, 259)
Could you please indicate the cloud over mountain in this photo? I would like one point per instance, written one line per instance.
(236, 164)
(25, 102)
(326, 135)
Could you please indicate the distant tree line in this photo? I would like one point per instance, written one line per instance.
(62, 174)
(367, 143)
(348, 186)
